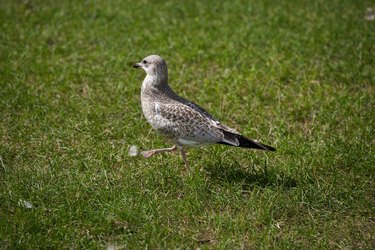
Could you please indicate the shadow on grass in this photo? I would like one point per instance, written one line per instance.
(250, 178)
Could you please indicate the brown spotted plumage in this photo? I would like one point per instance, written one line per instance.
(182, 121)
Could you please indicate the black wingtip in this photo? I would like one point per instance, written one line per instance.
(269, 148)
(249, 143)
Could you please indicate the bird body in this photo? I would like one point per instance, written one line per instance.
(182, 121)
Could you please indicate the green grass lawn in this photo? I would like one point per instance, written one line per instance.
(298, 75)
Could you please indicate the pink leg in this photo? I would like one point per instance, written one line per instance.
(152, 152)
(183, 153)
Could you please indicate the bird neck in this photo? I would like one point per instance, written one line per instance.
(157, 79)
(155, 83)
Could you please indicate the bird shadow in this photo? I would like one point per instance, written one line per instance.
(251, 176)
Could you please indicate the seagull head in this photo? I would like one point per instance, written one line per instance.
(154, 66)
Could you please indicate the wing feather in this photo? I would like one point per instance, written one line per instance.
(187, 123)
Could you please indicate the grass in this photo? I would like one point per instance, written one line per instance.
(298, 75)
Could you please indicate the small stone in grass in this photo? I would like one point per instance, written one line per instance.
(133, 150)
(25, 204)
(370, 14)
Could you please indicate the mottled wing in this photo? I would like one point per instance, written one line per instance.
(186, 124)
(206, 114)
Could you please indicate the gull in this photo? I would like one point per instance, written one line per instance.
(183, 122)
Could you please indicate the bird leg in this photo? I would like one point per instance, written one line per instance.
(152, 152)
(183, 153)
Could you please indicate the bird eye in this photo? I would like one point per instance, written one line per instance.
(144, 61)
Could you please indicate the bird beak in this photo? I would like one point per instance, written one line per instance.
(137, 65)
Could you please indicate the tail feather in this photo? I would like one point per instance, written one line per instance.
(245, 142)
